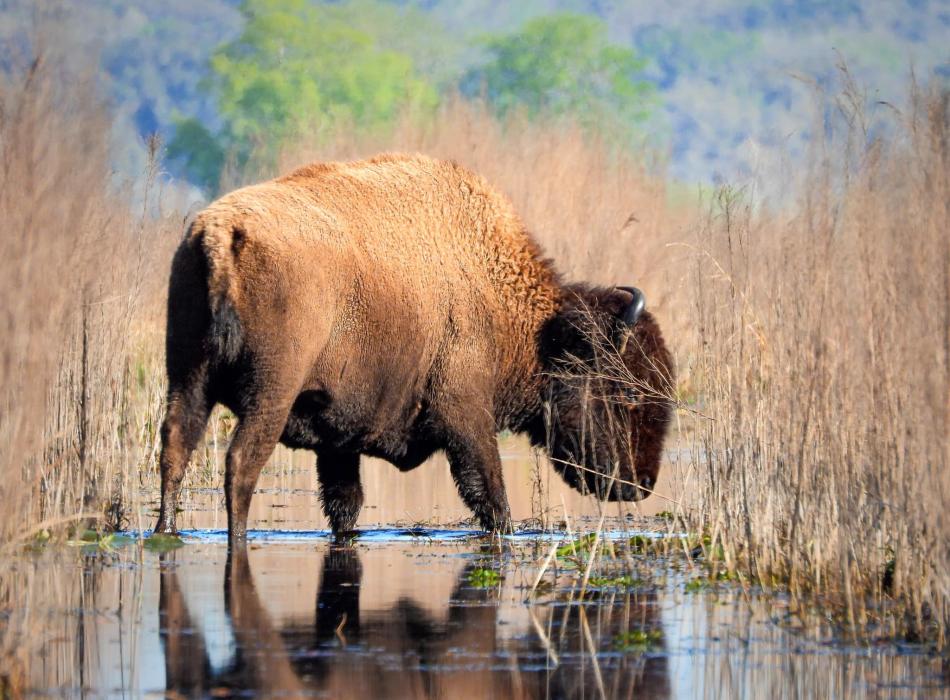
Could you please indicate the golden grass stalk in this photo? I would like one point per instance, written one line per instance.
(822, 358)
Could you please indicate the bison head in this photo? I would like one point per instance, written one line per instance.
(606, 402)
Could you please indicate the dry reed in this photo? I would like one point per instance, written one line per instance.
(822, 363)
(82, 276)
(79, 396)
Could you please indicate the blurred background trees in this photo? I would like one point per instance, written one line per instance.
(296, 68)
(300, 68)
(565, 64)
(717, 89)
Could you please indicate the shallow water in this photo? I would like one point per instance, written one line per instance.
(287, 498)
(422, 613)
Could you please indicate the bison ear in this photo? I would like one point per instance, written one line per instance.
(627, 303)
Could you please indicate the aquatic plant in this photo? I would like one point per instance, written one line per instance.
(161, 542)
(638, 640)
(482, 577)
(622, 581)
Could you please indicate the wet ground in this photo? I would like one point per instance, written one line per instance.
(427, 613)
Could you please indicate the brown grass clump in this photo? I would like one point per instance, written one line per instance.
(823, 368)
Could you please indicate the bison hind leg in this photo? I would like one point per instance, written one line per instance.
(341, 492)
(186, 416)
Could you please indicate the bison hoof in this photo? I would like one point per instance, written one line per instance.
(165, 528)
(345, 536)
(500, 526)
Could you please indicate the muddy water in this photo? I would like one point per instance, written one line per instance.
(422, 613)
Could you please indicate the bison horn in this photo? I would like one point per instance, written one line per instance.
(637, 304)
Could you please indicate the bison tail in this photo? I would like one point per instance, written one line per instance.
(225, 334)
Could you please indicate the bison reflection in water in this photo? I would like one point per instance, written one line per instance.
(406, 651)
(398, 307)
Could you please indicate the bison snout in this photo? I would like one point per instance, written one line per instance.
(630, 492)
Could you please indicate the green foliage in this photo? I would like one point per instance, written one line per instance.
(699, 49)
(641, 544)
(624, 581)
(89, 535)
(201, 150)
(93, 541)
(297, 68)
(564, 64)
(161, 542)
(408, 30)
(573, 548)
(639, 641)
(301, 68)
(484, 578)
(697, 585)
(297, 63)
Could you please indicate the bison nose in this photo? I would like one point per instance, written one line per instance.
(625, 492)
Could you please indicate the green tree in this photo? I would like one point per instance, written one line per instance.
(296, 68)
(565, 64)
(200, 150)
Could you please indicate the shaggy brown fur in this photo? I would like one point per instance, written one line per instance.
(394, 307)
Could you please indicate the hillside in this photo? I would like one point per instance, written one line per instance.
(734, 80)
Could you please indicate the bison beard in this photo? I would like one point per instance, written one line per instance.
(394, 308)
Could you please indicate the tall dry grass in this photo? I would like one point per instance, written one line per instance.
(822, 365)
(81, 275)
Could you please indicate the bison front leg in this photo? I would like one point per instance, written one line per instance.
(341, 492)
(476, 469)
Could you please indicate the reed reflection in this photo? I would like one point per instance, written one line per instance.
(407, 649)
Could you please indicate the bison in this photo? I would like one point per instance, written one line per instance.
(395, 307)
